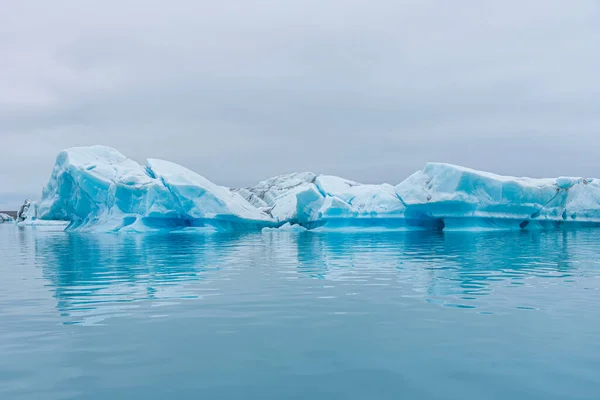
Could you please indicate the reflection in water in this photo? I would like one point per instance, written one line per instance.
(296, 315)
(96, 273)
(89, 271)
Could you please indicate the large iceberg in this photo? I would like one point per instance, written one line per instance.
(441, 196)
(98, 188)
(461, 198)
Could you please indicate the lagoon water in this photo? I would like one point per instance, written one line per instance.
(280, 315)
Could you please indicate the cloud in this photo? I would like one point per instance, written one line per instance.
(240, 91)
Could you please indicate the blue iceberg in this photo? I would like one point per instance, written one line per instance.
(325, 202)
(462, 198)
(97, 188)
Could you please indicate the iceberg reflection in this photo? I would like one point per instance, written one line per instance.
(92, 274)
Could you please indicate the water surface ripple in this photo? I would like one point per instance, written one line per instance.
(416, 315)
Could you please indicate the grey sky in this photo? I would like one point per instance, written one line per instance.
(243, 90)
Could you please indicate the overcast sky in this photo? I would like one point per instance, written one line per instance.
(240, 90)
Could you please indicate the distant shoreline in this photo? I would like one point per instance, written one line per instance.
(11, 213)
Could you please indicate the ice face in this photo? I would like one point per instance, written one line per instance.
(460, 198)
(287, 227)
(98, 188)
(28, 210)
(290, 198)
(441, 196)
(201, 199)
(5, 218)
(358, 199)
(322, 201)
(265, 193)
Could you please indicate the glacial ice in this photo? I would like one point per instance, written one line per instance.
(27, 211)
(98, 188)
(314, 201)
(463, 198)
(287, 227)
(5, 218)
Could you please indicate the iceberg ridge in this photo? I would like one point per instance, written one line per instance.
(98, 188)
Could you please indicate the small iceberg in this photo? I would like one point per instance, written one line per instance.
(5, 218)
(287, 227)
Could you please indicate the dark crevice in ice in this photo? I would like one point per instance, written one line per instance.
(538, 212)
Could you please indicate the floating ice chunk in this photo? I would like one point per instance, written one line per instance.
(6, 218)
(292, 198)
(266, 192)
(41, 223)
(287, 227)
(199, 198)
(312, 200)
(28, 210)
(358, 199)
(460, 197)
(27, 216)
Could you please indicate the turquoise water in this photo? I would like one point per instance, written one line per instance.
(300, 315)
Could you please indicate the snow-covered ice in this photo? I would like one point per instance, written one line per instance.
(98, 188)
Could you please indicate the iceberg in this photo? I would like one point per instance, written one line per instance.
(317, 200)
(463, 198)
(27, 211)
(441, 196)
(287, 227)
(28, 216)
(5, 218)
(99, 189)
(292, 198)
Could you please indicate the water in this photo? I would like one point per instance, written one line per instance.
(294, 316)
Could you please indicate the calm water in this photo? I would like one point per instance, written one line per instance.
(295, 316)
